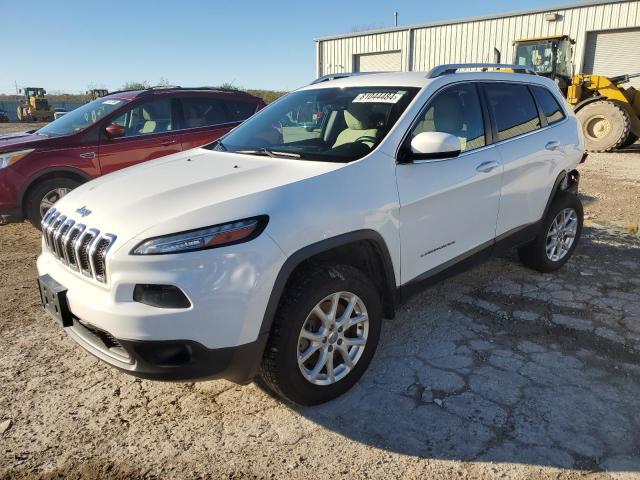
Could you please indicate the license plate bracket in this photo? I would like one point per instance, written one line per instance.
(54, 300)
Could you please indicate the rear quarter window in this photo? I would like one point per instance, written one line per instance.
(513, 109)
(548, 104)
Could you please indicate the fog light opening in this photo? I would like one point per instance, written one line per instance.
(160, 296)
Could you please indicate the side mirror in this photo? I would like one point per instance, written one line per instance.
(113, 130)
(434, 145)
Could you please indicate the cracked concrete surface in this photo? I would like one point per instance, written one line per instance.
(497, 373)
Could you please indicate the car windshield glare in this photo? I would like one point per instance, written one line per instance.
(82, 117)
(325, 124)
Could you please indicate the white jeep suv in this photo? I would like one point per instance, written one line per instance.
(277, 250)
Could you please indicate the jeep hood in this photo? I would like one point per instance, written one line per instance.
(187, 190)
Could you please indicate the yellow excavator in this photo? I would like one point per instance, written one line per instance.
(34, 107)
(609, 113)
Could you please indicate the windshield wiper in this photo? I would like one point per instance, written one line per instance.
(269, 153)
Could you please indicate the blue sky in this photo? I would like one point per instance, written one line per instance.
(254, 44)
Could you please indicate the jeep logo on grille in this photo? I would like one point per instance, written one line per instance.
(83, 211)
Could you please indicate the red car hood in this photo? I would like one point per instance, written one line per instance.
(22, 140)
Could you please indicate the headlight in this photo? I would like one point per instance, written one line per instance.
(204, 238)
(10, 158)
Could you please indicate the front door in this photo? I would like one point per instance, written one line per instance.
(149, 134)
(449, 207)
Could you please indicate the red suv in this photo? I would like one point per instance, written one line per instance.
(37, 168)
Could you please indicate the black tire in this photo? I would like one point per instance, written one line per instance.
(631, 139)
(279, 369)
(535, 255)
(37, 193)
(595, 115)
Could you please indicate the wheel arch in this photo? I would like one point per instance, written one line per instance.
(364, 249)
(567, 181)
(57, 172)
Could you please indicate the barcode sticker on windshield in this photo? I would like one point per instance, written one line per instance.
(378, 97)
(111, 102)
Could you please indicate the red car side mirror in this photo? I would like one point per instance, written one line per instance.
(113, 130)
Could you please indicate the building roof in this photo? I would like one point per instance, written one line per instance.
(552, 8)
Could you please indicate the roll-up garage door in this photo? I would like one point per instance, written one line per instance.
(378, 62)
(613, 52)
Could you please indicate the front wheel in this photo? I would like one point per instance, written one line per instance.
(559, 235)
(605, 125)
(44, 195)
(324, 335)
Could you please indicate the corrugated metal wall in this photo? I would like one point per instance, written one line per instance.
(11, 106)
(475, 40)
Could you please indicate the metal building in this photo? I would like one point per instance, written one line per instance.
(606, 34)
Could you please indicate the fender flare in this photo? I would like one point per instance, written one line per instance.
(571, 185)
(587, 101)
(305, 253)
(48, 172)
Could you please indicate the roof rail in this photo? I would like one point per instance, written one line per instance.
(453, 67)
(336, 76)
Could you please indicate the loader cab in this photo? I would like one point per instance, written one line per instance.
(547, 56)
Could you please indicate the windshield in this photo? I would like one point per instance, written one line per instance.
(538, 57)
(328, 124)
(82, 117)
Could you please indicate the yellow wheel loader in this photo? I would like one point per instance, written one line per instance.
(34, 107)
(609, 113)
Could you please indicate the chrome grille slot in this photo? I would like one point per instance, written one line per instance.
(55, 234)
(80, 248)
(60, 236)
(82, 252)
(99, 255)
(51, 226)
(69, 245)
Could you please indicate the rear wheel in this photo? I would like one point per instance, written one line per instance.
(605, 126)
(559, 235)
(44, 195)
(324, 335)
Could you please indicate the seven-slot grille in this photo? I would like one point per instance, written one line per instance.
(80, 248)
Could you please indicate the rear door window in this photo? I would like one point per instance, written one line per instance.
(239, 111)
(548, 103)
(513, 109)
(203, 112)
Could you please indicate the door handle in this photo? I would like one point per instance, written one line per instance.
(486, 167)
(167, 142)
(552, 145)
(88, 155)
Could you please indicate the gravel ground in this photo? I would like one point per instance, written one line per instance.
(497, 373)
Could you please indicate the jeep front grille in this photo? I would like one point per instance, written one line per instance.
(80, 248)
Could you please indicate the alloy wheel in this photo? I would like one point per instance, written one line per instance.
(52, 197)
(333, 338)
(562, 234)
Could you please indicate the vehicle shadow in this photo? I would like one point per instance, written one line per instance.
(502, 364)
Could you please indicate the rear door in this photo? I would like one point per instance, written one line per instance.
(530, 147)
(149, 134)
(207, 118)
(449, 206)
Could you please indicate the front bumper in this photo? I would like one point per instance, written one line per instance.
(218, 336)
(170, 360)
(10, 215)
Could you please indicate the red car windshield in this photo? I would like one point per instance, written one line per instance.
(82, 117)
